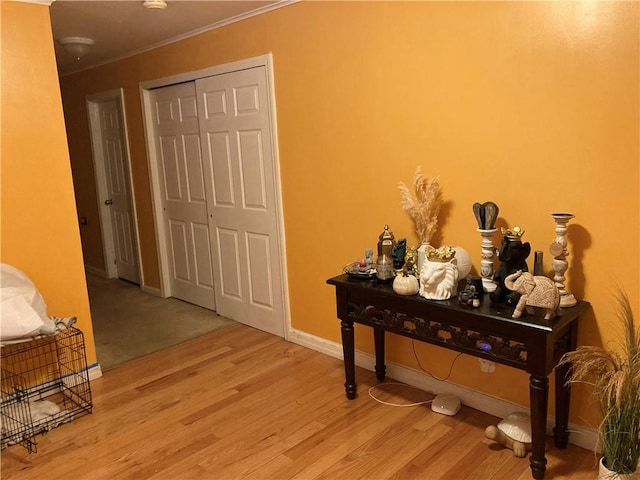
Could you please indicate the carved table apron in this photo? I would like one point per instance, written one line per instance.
(529, 343)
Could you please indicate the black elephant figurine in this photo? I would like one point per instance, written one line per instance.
(512, 255)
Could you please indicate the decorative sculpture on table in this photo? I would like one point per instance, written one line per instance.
(472, 293)
(535, 291)
(559, 250)
(512, 255)
(486, 215)
(406, 282)
(398, 252)
(368, 259)
(384, 262)
(423, 210)
(439, 274)
(411, 261)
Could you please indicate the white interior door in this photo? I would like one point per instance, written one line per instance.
(118, 199)
(182, 185)
(235, 131)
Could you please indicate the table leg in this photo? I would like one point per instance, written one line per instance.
(565, 344)
(348, 349)
(563, 397)
(539, 395)
(381, 369)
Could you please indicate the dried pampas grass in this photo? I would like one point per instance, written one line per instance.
(424, 209)
(615, 379)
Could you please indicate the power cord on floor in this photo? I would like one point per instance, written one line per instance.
(415, 354)
(414, 404)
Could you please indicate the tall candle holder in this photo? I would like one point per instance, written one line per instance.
(559, 250)
(486, 264)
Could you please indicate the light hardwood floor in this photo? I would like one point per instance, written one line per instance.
(240, 403)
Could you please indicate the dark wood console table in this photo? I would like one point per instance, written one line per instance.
(530, 343)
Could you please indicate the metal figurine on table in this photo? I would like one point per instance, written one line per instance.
(384, 263)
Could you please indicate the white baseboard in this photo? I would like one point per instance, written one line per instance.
(581, 436)
(103, 274)
(94, 371)
(99, 272)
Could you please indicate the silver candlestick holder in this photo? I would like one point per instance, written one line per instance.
(560, 265)
(486, 264)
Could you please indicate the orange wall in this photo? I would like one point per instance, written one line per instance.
(39, 228)
(533, 105)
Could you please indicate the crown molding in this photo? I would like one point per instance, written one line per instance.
(193, 33)
(37, 2)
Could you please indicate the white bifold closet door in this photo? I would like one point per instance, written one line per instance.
(234, 113)
(219, 196)
(183, 193)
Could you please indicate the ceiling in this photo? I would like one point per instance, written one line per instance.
(124, 27)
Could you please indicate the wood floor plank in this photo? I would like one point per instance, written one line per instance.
(370, 460)
(242, 404)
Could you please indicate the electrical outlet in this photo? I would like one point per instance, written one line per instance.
(487, 366)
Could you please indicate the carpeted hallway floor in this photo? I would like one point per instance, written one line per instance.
(129, 323)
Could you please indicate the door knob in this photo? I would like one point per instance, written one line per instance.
(108, 202)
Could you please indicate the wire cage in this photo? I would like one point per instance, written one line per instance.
(44, 383)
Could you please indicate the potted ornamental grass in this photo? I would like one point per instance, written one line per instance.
(614, 376)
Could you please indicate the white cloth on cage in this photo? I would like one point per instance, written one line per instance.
(22, 308)
(56, 324)
(52, 326)
(23, 312)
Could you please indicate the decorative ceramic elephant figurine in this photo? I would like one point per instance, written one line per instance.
(535, 291)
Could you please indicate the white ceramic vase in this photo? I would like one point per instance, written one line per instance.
(438, 280)
(605, 474)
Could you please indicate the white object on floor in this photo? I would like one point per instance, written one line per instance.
(446, 404)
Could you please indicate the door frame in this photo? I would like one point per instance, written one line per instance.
(100, 173)
(155, 177)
